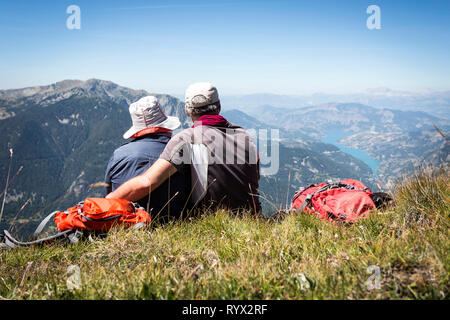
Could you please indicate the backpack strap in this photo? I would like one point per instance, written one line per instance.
(8, 241)
(310, 196)
(306, 202)
(99, 219)
(299, 192)
(43, 223)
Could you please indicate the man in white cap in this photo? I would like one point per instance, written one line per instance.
(221, 157)
(150, 132)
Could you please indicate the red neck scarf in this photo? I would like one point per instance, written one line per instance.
(148, 131)
(211, 120)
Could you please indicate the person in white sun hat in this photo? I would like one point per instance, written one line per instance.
(151, 130)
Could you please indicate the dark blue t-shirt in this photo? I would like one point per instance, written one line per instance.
(133, 159)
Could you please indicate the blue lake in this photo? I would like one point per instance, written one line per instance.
(334, 136)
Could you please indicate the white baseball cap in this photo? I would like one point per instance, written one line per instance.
(201, 94)
(146, 113)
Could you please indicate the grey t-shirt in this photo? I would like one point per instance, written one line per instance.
(224, 165)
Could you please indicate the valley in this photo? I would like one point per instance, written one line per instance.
(63, 134)
(333, 137)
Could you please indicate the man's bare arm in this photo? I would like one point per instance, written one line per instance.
(140, 186)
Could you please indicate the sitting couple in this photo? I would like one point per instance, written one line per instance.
(214, 164)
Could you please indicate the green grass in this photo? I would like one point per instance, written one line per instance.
(219, 256)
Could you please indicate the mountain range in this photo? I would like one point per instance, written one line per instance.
(350, 117)
(433, 102)
(401, 141)
(62, 135)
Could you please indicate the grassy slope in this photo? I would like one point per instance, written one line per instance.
(222, 257)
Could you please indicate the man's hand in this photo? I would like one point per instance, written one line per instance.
(140, 186)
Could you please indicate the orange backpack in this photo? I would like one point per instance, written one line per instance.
(92, 214)
(100, 214)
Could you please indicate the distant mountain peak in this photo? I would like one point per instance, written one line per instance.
(60, 90)
(92, 88)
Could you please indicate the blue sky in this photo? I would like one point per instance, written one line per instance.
(283, 47)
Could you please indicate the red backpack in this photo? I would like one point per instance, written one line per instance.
(92, 214)
(344, 201)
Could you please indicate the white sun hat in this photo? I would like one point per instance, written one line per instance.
(146, 113)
